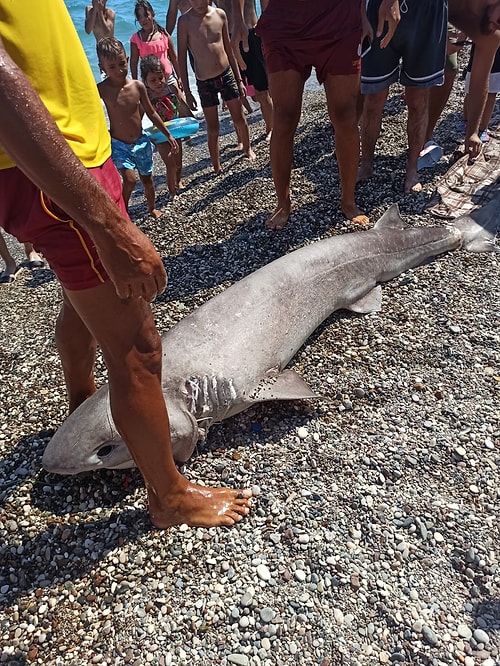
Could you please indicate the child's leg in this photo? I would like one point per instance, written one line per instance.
(236, 110)
(178, 167)
(212, 120)
(168, 158)
(488, 111)
(128, 184)
(149, 192)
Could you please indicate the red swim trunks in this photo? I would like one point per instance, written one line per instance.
(30, 216)
(301, 34)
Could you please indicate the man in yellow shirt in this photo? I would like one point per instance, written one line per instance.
(53, 166)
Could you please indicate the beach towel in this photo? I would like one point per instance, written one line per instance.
(466, 186)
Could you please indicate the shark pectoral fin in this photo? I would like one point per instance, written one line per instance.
(370, 302)
(391, 219)
(288, 385)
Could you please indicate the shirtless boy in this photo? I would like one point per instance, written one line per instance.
(204, 31)
(125, 101)
(100, 20)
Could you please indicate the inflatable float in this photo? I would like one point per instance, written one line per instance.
(179, 128)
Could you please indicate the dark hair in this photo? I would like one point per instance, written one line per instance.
(147, 7)
(151, 63)
(109, 47)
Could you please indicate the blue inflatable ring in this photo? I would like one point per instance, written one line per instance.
(179, 128)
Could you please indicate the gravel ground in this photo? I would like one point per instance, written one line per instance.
(374, 533)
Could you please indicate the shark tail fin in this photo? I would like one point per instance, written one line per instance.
(479, 231)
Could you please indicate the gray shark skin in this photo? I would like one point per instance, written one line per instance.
(233, 350)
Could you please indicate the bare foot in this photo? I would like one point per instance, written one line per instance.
(278, 219)
(199, 506)
(365, 171)
(180, 185)
(412, 183)
(269, 134)
(155, 213)
(239, 146)
(353, 213)
(250, 154)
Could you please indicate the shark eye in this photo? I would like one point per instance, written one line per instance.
(105, 451)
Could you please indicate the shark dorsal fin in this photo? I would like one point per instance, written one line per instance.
(391, 219)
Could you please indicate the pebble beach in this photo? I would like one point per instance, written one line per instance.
(374, 533)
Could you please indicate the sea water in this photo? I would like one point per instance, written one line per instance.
(125, 26)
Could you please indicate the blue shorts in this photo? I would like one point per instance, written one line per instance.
(416, 53)
(138, 155)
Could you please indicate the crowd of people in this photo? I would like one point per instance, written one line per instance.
(65, 179)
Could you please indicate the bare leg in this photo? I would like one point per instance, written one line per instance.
(212, 120)
(128, 184)
(266, 107)
(286, 91)
(31, 254)
(170, 162)
(150, 194)
(342, 98)
(236, 110)
(488, 111)
(77, 348)
(371, 122)
(417, 100)
(125, 331)
(9, 271)
(438, 96)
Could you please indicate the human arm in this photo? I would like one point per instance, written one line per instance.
(182, 44)
(230, 55)
(134, 58)
(484, 54)
(171, 17)
(172, 56)
(389, 14)
(239, 31)
(153, 116)
(30, 136)
(90, 17)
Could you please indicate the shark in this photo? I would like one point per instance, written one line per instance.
(233, 351)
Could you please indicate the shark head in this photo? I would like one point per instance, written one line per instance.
(88, 439)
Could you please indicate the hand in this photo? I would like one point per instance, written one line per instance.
(473, 146)
(388, 13)
(174, 146)
(190, 101)
(242, 89)
(131, 261)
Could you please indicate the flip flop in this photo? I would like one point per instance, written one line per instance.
(35, 264)
(7, 278)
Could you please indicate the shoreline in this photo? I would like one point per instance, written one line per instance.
(374, 534)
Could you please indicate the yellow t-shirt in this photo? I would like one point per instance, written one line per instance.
(41, 39)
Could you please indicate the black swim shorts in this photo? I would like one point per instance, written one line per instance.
(255, 73)
(225, 84)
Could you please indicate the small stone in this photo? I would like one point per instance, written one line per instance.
(429, 636)
(438, 537)
(263, 572)
(481, 636)
(300, 575)
(302, 433)
(464, 631)
(239, 659)
(267, 614)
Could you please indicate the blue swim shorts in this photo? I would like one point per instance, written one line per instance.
(138, 155)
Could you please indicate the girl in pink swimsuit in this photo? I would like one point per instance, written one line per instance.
(152, 39)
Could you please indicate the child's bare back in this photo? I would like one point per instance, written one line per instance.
(123, 106)
(205, 41)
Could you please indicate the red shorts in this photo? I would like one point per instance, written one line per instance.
(301, 34)
(30, 216)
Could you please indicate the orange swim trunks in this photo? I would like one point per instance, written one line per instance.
(30, 216)
(301, 34)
